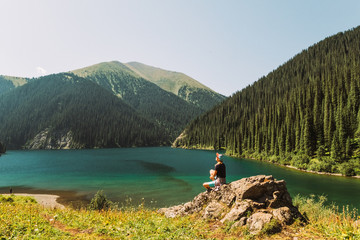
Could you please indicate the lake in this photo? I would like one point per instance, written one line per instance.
(162, 176)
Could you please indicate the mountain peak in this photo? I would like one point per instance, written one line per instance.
(108, 67)
(170, 81)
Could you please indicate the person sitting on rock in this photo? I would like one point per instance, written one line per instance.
(218, 176)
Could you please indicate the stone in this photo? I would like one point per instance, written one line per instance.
(240, 223)
(257, 221)
(253, 201)
(240, 209)
(283, 214)
(214, 210)
(172, 212)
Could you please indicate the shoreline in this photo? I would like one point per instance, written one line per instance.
(302, 170)
(320, 173)
(45, 200)
(281, 165)
(49, 198)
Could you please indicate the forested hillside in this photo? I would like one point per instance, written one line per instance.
(305, 113)
(2, 148)
(168, 110)
(7, 83)
(67, 111)
(179, 84)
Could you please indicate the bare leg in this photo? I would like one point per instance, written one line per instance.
(206, 185)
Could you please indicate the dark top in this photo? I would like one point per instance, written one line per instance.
(220, 170)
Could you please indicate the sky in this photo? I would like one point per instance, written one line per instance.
(224, 44)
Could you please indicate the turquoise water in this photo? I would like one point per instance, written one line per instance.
(162, 176)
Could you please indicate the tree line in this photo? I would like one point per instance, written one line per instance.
(2, 148)
(305, 113)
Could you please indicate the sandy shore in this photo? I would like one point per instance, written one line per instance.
(46, 200)
(50, 198)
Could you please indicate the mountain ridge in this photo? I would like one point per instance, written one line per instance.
(63, 106)
(179, 84)
(156, 74)
(7, 83)
(170, 111)
(157, 109)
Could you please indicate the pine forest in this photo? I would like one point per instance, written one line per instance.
(305, 113)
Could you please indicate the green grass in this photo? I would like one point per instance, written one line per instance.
(23, 218)
(329, 221)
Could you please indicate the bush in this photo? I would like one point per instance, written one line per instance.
(355, 162)
(347, 169)
(100, 202)
(300, 161)
(314, 165)
(274, 159)
(5, 199)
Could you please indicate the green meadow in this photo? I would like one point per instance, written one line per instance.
(23, 218)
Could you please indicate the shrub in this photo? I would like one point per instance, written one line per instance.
(300, 161)
(314, 165)
(6, 199)
(100, 202)
(347, 169)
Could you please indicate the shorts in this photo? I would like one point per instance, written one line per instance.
(217, 182)
(211, 184)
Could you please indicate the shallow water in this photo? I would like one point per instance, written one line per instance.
(162, 176)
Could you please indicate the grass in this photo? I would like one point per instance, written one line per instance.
(23, 218)
(329, 221)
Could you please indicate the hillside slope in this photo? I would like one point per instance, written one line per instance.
(305, 113)
(7, 83)
(67, 111)
(179, 84)
(169, 111)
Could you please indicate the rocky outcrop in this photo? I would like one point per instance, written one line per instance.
(53, 140)
(178, 141)
(253, 201)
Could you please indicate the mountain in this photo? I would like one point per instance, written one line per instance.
(305, 113)
(161, 115)
(168, 110)
(179, 84)
(67, 111)
(7, 83)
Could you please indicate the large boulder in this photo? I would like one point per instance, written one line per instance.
(253, 201)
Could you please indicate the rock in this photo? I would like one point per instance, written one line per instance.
(53, 140)
(240, 210)
(240, 223)
(253, 201)
(214, 210)
(283, 214)
(172, 212)
(257, 221)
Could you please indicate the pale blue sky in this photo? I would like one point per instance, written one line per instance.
(224, 44)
